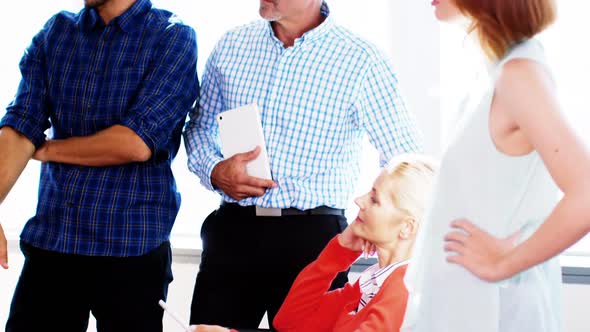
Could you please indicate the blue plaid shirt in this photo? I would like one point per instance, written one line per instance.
(80, 76)
(317, 99)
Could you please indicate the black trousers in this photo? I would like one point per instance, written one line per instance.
(56, 292)
(249, 263)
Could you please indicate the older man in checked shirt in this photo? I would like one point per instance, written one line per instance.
(320, 89)
(114, 82)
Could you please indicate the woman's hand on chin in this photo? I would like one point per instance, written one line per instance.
(349, 240)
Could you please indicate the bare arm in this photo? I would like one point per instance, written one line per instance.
(525, 91)
(116, 145)
(527, 88)
(15, 152)
(3, 249)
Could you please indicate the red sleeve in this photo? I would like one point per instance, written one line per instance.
(385, 312)
(309, 303)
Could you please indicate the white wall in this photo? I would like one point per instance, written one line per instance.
(414, 48)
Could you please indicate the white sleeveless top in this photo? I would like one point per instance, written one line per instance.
(500, 194)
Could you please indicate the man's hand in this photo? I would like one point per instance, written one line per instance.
(208, 328)
(3, 249)
(230, 176)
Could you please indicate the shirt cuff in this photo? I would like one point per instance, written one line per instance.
(208, 170)
(24, 127)
(138, 129)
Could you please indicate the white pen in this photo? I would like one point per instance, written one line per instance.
(174, 316)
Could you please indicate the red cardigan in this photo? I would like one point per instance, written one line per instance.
(310, 307)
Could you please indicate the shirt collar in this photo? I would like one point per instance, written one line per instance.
(375, 276)
(89, 19)
(128, 21)
(313, 34)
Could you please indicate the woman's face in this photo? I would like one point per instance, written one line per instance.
(446, 10)
(379, 221)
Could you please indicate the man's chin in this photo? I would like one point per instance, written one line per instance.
(94, 3)
(268, 15)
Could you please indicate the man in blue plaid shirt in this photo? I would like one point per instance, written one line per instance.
(114, 83)
(320, 89)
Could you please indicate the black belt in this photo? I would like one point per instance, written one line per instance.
(317, 211)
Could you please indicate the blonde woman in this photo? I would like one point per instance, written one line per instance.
(389, 217)
(495, 204)
(388, 220)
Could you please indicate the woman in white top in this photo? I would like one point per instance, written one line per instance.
(495, 209)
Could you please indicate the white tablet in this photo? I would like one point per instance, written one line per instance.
(240, 130)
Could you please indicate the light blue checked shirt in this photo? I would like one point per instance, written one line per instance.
(317, 100)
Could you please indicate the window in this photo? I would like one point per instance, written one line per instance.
(384, 23)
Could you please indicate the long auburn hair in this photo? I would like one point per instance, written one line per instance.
(500, 24)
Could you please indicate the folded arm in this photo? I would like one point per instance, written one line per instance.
(165, 97)
(112, 146)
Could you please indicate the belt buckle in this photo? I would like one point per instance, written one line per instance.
(267, 212)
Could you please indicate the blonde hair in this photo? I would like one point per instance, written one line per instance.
(500, 24)
(410, 178)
